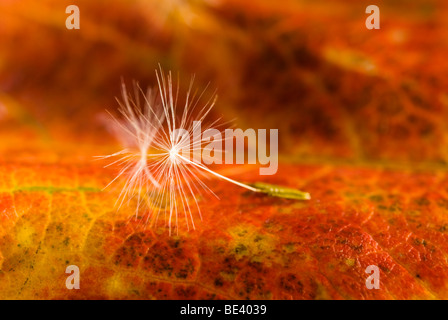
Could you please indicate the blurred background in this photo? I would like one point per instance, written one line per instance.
(335, 90)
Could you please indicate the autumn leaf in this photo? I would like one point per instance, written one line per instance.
(361, 117)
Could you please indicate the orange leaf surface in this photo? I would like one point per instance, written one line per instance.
(247, 246)
(361, 116)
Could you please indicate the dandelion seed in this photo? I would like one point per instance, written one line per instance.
(136, 130)
(159, 161)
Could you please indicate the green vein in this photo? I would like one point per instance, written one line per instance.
(52, 190)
